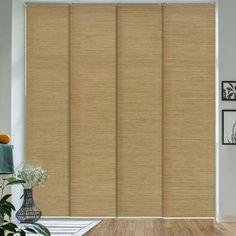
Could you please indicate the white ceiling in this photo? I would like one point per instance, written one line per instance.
(119, 1)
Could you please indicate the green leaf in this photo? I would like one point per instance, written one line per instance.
(22, 233)
(16, 182)
(3, 211)
(10, 205)
(4, 199)
(10, 234)
(40, 229)
(30, 230)
(10, 227)
(9, 179)
(1, 232)
(6, 210)
(13, 180)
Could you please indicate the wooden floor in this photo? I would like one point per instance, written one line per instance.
(160, 227)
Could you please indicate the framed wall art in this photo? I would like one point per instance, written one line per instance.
(228, 91)
(229, 127)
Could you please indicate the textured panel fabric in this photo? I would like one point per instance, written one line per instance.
(189, 170)
(93, 110)
(139, 110)
(47, 99)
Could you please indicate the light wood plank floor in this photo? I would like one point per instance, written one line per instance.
(160, 227)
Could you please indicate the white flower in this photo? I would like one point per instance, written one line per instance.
(33, 176)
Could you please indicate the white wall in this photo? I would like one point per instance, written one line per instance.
(5, 65)
(226, 70)
(18, 90)
(12, 86)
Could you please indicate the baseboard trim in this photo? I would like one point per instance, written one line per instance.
(78, 217)
(138, 217)
(229, 218)
(189, 218)
(87, 228)
(131, 217)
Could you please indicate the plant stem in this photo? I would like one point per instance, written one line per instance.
(2, 187)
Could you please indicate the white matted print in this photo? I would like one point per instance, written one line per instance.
(229, 127)
(228, 90)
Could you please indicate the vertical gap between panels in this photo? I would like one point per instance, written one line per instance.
(162, 94)
(69, 100)
(26, 84)
(117, 106)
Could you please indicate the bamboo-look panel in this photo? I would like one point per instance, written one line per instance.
(93, 110)
(47, 132)
(189, 59)
(139, 110)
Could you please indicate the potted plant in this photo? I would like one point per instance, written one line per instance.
(7, 227)
(32, 177)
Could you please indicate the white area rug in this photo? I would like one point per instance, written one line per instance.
(68, 226)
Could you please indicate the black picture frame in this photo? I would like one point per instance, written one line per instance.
(224, 90)
(229, 127)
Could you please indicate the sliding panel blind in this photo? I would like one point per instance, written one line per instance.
(93, 110)
(189, 60)
(139, 110)
(47, 134)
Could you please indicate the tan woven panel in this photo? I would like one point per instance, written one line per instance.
(189, 171)
(93, 110)
(48, 103)
(140, 110)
